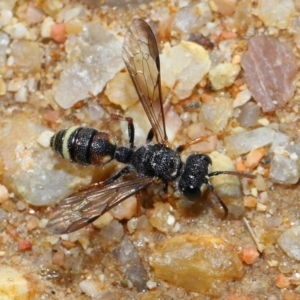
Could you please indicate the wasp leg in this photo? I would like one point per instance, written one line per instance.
(225, 208)
(100, 184)
(199, 139)
(130, 127)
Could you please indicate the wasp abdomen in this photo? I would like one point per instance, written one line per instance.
(84, 145)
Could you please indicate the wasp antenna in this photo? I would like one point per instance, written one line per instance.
(211, 188)
(216, 173)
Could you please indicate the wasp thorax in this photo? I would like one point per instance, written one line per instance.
(84, 145)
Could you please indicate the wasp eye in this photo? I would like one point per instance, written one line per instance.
(192, 193)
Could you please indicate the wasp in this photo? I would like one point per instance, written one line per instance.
(150, 162)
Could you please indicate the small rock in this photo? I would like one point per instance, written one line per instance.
(270, 70)
(46, 27)
(89, 288)
(276, 13)
(94, 47)
(192, 17)
(3, 193)
(226, 7)
(228, 187)
(289, 242)
(120, 90)
(13, 284)
(125, 210)
(280, 142)
(162, 218)
(130, 264)
(242, 98)
(27, 56)
(223, 75)
(197, 263)
(284, 170)
(183, 66)
(215, 115)
(244, 142)
(249, 114)
(5, 17)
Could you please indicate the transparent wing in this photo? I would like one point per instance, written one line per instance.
(83, 207)
(141, 57)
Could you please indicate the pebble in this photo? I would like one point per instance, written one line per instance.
(27, 56)
(17, 31)
(284, 170)
(242, 98)
(215, 115)
(125, 210)
(120, 90)
(4, 196)
(28, 171)
(270, 71)
(192, 17)
(5, 17)
(89, 288)
(223, 75)
(249, 114)
(244, 142)
(276, 13)
(227, 186)
(45, 137)
(128, 258)
(198, 263)
(13, 284)
(289, 242)
(226, 7)
(46, 27)
(95, 46)
(183, 66)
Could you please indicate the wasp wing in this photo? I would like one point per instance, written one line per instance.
(141, 57)
(84, 207)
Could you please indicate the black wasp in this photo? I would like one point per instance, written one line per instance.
(152, 161)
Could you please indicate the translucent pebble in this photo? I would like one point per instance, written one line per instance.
(192, 17)
(13, 284)
(197, 263)
(27, 56)
(223, 75)
(289, 242)
(243, 142)
(242, 98)
(128, 258)
(120, 90)
(281, 140)
(26, 166)
(5, 17)
(249, 114)
(89, 288)
(276, 13)
(226, 7)
(228, 187)
(270, 71)
(17, 31)
(4, 41)
(183, 66)
(215, 115)
(284, 170)
(46, 27)
(95, 46)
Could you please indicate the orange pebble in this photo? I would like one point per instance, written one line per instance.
(249, 201)
(24, 245)
(250, 255)
(253, 157)
(238, 297)
(58, 33)
(240, 167)
(282, 281)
